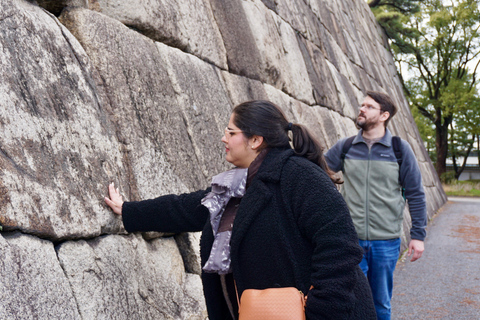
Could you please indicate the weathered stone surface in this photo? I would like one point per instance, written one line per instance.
(345, 108)
(33, 284)
(141, 100)
(427, 176)
(187, 25)
(260, 45)
(417, 146)
(57, 144)
(283, 101)
(206, 109)
(105, 94)
(241, 89)
(324, 92)
(125, 277)
(167, 105)
(243, 57)
(299, 15)
(189, 247)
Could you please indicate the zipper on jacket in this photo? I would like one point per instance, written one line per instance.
(367, 207)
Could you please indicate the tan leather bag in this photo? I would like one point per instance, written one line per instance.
(272, 304)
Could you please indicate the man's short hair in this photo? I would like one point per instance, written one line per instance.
(386, 104)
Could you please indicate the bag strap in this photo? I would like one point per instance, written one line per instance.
(396, 144)
(236, 292)
(346, 146)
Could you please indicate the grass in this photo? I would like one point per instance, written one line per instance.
(470, 188)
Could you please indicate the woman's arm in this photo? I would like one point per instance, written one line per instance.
(169, 213)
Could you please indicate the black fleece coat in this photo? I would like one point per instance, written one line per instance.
(292, 228)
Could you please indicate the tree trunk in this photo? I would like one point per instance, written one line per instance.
(441, 143)
(458, 172)
(478, 149)
(455, 167)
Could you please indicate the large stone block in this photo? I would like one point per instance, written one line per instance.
(324, 90)
(126, 277)
(241, 89)
(427, 176)
(187, 25)
(57, 144)
(260, 45)
(300, 16)
(146, 108)
(189, 247)
(33, 284)
(345, 107)
(206, 109)
(283, 101)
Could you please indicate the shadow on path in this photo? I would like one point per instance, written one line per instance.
(445, 282)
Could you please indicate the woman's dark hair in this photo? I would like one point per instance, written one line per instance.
(263, 118)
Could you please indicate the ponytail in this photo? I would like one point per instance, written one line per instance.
(307, 146)
(263, 118)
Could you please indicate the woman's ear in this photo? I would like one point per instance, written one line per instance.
(256, 142)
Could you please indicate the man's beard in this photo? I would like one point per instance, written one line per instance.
(364, 124)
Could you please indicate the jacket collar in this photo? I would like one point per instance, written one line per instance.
(386, 139)
(271, 167)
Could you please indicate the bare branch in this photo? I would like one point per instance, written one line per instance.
(474, 80)
(425, 112)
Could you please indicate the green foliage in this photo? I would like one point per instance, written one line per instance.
(403, 6)
(448, 177)
(427, 132)
(436, 46)
(393, 17)
(464, 131)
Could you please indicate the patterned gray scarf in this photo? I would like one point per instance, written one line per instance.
(226, 185)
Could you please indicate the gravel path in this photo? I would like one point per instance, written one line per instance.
(445, 282)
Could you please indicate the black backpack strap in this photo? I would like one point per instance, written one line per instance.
(346, 146)
(396, 144)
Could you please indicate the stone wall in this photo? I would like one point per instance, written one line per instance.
(138, 92)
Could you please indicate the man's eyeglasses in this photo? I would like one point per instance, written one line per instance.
(368, 107)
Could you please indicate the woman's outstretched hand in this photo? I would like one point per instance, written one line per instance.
(115, 201)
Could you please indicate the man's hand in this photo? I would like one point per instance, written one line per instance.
(417, 247)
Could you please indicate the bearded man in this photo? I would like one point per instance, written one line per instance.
(380, 175)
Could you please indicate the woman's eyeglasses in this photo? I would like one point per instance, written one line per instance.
(228, 132)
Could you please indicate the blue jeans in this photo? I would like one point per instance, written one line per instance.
(379, 261)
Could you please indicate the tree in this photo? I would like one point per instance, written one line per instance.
(464, 130)
(437, 51)
(403, 6)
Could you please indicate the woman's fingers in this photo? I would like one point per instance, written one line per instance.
(114, 193)
(111, 190)
(115, 201)
(116, 209)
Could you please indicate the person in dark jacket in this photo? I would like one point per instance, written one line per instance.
(275, 220)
